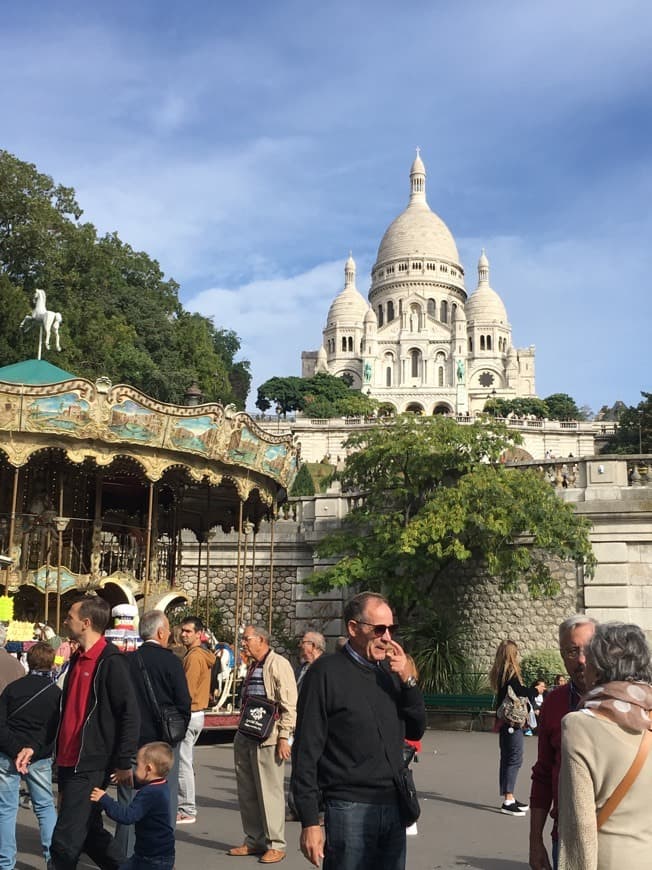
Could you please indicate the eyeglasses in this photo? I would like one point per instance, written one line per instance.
(301, 642)
(574, 652)
(379, 630)
(247, 639)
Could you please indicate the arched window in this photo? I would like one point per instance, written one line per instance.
(390, 311)
(440, 376)
(388, 376)
(432, 308)
(470, 345)
(351, 344)
(482, 342)
(488, 342)
(416, 360)
(444, 311)
(400, 307)
(344, 343)
(380, 315)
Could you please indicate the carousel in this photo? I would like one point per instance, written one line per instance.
(100, 485)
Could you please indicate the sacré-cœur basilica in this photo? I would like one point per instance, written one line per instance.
(421, 343)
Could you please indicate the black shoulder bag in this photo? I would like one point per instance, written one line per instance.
(172, 724)
(402, 775)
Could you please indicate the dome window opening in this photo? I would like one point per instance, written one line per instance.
(482, 347)
(390, 311)
(350, 343)
(344, 343)
(380, 315)
(432, 308)
(488, 342)
(415, 363)
(444, 311)
(388, 376)
(470, 345)
(440, 376)
(402, 267)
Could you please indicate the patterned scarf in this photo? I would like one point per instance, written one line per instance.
(627, 704)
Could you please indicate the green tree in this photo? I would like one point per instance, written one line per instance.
(437, 495)
(323, 395)
(561, 406)
(634, 429)
(121, 317)
(303, 482)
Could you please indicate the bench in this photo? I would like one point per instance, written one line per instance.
(474, 706)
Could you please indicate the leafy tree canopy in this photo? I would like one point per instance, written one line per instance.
(634, 429)
(558, 406)
(121, 317)
(436, 495)
(323, 395)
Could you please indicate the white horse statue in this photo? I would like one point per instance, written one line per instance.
(48, 320)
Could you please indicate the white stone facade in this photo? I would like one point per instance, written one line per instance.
(419, 343)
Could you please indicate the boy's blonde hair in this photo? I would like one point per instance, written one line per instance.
(159, 755)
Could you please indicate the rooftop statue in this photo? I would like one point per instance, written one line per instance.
(48, 321)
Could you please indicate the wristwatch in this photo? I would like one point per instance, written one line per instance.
(410, 683)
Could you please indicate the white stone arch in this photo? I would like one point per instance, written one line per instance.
(414, 408)
(170, 598)
(442, 408)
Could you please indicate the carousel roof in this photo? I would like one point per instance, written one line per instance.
(34, 371)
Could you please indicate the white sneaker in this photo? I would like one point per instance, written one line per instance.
(512, 809)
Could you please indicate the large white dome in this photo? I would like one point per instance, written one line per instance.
(418, 231)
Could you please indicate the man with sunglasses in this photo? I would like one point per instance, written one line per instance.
(355, 709)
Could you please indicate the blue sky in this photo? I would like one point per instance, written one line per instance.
(250, 146)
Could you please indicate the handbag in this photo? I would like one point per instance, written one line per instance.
(513, 709)
(257, 717)
(172, 724)
(408, 802)
(625, 783)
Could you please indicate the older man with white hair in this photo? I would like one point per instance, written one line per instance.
(311, 646)
(575, 634)
(170, 687)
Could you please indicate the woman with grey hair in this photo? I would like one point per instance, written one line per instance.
(599, 744)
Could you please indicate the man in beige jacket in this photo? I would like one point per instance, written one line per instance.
(197, 664)
(259, 765)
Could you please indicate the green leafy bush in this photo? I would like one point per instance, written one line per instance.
(542, 664)
(303, 483)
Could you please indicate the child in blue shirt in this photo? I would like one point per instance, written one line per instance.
(149, 811)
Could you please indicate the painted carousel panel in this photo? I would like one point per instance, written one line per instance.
(131, 421)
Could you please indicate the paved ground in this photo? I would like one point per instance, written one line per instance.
(459, 828)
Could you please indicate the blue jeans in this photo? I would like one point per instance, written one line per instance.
(361, 836)
(139, 863)
(555, 854)
(39, 783)
(511, 757)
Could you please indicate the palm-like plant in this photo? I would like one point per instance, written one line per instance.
(435, 643)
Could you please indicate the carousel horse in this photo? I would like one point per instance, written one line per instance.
(49, 320)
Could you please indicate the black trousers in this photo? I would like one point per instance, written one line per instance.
(79, 825)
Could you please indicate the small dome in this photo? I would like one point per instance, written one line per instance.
(370, 318)
(418, 166)
(349, 307)
(321, 354)
(485, 305)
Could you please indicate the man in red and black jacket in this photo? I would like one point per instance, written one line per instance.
(98, 737)
(574, 636)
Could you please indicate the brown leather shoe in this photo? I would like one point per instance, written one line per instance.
(272, 856)
(244, 850)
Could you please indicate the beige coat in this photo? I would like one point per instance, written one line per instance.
(280, 686)
(596, 754)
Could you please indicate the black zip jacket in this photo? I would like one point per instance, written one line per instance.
(110, 732)
(338, 748)
(168, 681)
(28, 720)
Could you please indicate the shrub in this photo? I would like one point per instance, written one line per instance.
(303, 483)
(436, 646)
(542, 664)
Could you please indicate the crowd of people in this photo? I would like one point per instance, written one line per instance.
(344, 719)
(594, 735)
(132, 720)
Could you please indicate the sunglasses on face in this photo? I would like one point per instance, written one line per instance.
(378, 630)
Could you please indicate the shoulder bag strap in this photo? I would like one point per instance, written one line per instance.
(148, 686)
(29, 700)
(626, 782)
